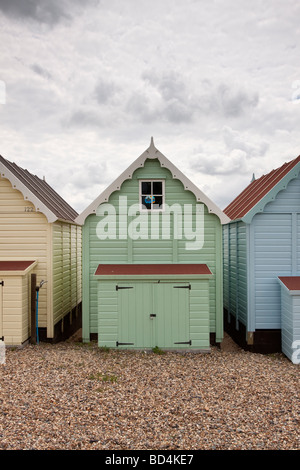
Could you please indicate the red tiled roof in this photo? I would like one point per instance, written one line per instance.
(14, 265)
(41, 189)
(256, 190)
(148, 269)
(291, 282)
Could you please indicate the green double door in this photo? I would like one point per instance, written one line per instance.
(153, 314)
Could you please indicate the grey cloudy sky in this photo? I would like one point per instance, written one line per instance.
(84, 86)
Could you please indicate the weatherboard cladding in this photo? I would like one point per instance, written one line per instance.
(41, 189)
(256, 190)
(235, 269)
(14, 304)
(272, 255)
(290, 317)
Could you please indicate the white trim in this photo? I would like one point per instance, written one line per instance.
(152, 153)
(27, 194)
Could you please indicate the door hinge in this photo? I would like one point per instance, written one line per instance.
(185, 342)
(182, 287)
(123, 287)
(123, 344)
(2, 283)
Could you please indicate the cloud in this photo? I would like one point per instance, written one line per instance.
(225, 97)
(234, 155)
(84, 118)
(105, 91)
(2, 92)
(175, 98)
(41, 71)
(170, 84)
(140, 108)
(233, 100)
(42, 11)
(84, 76)
(94, 173)
(39, 10)
(234, 140)
(234, 162)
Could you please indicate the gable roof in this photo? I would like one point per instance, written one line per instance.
(152, 153)
(37, 191)
(261, 191)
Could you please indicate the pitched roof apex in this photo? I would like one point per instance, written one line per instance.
(150, 153)
(45, 199)
(261, 191)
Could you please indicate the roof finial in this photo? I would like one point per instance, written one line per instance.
(253, 178)
(152, 150)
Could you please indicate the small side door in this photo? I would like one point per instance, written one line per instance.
(135, 328)
(171, 306)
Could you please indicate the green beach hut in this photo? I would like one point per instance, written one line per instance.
(152, 261)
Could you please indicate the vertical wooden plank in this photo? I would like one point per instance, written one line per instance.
(250, 327)
(49, 286)
(86, 282)
(294, 243)
(130, 250)
(219, 283)
(229, 275)
(237, 279)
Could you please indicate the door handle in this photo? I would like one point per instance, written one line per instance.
(152, 315)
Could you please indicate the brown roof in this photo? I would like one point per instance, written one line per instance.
(291, 282)
(15, 265)
(41, 189)
(256, 190)
(148, 269)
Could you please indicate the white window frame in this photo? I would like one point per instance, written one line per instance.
(152, 180)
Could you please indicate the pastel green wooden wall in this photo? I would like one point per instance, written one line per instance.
(235, 274)
(96, 251)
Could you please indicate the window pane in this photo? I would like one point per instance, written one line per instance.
(146, 201)
(157, 187)
(146, 187)
(158, 202)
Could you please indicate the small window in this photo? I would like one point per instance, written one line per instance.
(152, 194)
